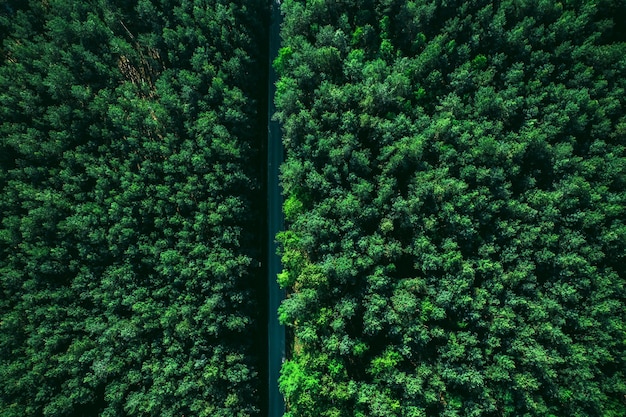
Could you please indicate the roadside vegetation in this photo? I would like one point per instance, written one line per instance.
(455, 196)
(130, 138)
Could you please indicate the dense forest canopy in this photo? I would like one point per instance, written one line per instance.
(455, 197)
(455, 192)
(131, 140)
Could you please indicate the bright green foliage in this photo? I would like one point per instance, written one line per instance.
(455, 183)
(129, 249)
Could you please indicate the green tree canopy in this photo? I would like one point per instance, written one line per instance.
(454, 183)
(129, 242)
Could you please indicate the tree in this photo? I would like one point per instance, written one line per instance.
(129, 188)
(449, 218)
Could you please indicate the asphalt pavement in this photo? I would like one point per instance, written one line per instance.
(275, 221)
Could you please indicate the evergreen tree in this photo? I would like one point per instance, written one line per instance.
(129, 245)
(454, 188)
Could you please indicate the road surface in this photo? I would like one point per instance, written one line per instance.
(275, 332)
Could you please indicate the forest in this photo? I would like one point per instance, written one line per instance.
(455, 197)
(454, 185)
(131, 143)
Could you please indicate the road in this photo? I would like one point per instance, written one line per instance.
(275, 222)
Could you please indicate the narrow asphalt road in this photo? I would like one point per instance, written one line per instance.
(275, 332)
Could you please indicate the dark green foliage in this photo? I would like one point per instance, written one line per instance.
(129, 242)
(455, 191)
